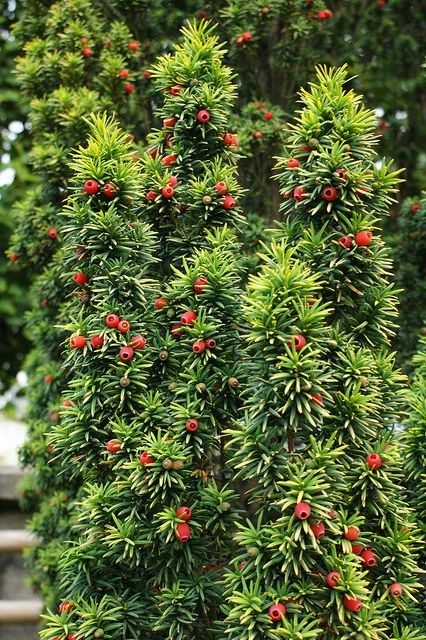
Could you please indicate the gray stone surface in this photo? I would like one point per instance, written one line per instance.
(19, 632)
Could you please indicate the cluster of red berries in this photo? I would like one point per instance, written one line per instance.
(244, 38)
(167, 191)
(229, 140)
(324, 15)
(362, 239)
(91, 187)
(183, 531)
(200, 346)
(123, 74)
(123, 326)
(187, 319)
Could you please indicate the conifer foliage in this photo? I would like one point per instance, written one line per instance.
(414, 438)
(153, 525)
(68, 70)
(189, 170)
(331, 549)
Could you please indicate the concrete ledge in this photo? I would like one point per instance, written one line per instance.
(10, 477)
(15, 540)
(20, 611)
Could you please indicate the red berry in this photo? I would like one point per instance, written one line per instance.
(352, 605)
(239, 40)
(352, 533)
(71, 636)
(188, 317)
(363, 238)
(228, 139)
(97, 341)
(210, 343)
(78, 342)
(345, 241)
(146, 458)
(302, 511)
(341, 173)
(374, 461)
(176, 331)
(113, 445)
(169, 121)
(52, 233)
(160, 303)
(299, 194)
(137, 342)
(123, 73)
(168, 161)
(292, 163)
(228, 202)
(134, 45)
(298, 341)
(129, 88)
(66, 606)
(329, 193)
(14, 257)
(184, 513)
(167, 191)
(183, 532)
(91, 187)
(257, 135)
(396, 589)
(84, 40)
(414, 208)
(126, 353)
(357, 548)
(332, 579)
(221, 188)
(203, 116)
(87, 52)
(172, 181)
(107, 43)
(112, 320)
(247, 37)
(191, 425)
(242, 564)
(147, 74)
(80, 278)
(175, 90)
(199, 285)
(318, 529)
(123, 326)
(277, 611)
(110, 190)
(268, 115)
(381, 3)
(67, 403)
(368, 558)
(199, 346)
(317, 399)
(151, 195)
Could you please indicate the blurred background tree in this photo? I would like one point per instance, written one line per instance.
(15, 177)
